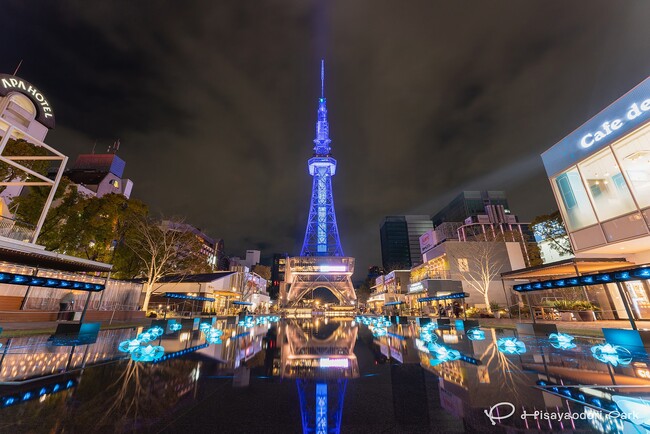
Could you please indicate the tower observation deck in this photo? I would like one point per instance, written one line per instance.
(321, 262)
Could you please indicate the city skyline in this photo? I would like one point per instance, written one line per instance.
(240, 115)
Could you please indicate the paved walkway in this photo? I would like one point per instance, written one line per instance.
(47, 326)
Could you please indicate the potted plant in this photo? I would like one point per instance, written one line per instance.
(585, 310)
(496, 309)
(565, 307)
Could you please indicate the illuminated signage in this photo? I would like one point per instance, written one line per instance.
(10, 83)
(608, 127)
(623, 116)
(333, 363)
(416, 287)
(328, 268)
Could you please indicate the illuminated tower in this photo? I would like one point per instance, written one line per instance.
(322, 234)
(321, 263)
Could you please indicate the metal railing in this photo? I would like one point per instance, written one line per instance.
(16, 229)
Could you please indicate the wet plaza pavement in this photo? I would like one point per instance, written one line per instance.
(322, 375)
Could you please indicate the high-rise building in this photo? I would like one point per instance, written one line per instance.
(400, 240)
(470, 204)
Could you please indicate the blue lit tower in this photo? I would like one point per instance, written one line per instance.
(321, 262)
(322, 234)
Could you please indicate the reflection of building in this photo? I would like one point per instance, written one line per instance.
(100, 174)
(600, 176)
(400, 247)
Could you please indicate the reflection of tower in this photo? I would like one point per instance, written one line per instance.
(321, 262)
(321, 359)
(321, 405)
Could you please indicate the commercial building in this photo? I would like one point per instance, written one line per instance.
(400, 245)
(97, 175)
(208, 245)
(390, 288)
(600, 176)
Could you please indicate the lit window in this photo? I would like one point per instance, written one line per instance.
(634, 155)
(606, 185)
(574, 201)
(463, 265)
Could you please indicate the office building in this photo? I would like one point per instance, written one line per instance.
(400, 240)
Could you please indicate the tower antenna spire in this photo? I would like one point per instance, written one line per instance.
(322, 78)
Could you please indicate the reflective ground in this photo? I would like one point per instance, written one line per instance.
(322, 376)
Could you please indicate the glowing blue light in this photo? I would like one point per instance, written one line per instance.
(561, 341)
(379, 332)
(442, 354)
(175, 326)
(26, 396)
(147, 354)
(247, 322)
(156, 331)
(427, 335)
(128, 346)
(213, 335)
(56, 388)
(69, 384)
(475, 334)
(613, 354)
(145, 337)
(638, 408)
(42, 392)
(511, 346)
(204, 326)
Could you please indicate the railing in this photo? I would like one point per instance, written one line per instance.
(16, 229)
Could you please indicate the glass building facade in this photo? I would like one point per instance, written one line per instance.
(605, 198)
(400, 240)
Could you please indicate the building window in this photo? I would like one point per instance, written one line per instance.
(633, 154)
(606, 185)
(463, 265)
(574, 200)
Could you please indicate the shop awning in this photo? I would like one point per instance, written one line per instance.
(36, 256)
(567, 268)
(393, 303)
(587, 279)
(242, 303)
(185, 297)
(445, 297)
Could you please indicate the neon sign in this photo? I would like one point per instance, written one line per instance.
(608, 127)
(9, 83)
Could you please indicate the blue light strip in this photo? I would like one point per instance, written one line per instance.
(587, 280)
(186, 297)
(393, 303)
(29, 395)
(49, 282)
(445, 297)
(180, 353)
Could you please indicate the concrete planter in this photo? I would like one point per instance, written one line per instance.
(586, 315)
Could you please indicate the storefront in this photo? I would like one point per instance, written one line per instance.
(600, 176)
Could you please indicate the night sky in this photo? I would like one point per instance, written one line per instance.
(215, 102)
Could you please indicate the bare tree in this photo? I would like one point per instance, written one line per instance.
(479, 265)
(164, 248)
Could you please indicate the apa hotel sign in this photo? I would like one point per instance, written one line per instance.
(10, 83)
(621, 117)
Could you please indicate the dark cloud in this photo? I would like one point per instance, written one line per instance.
(215, 102)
